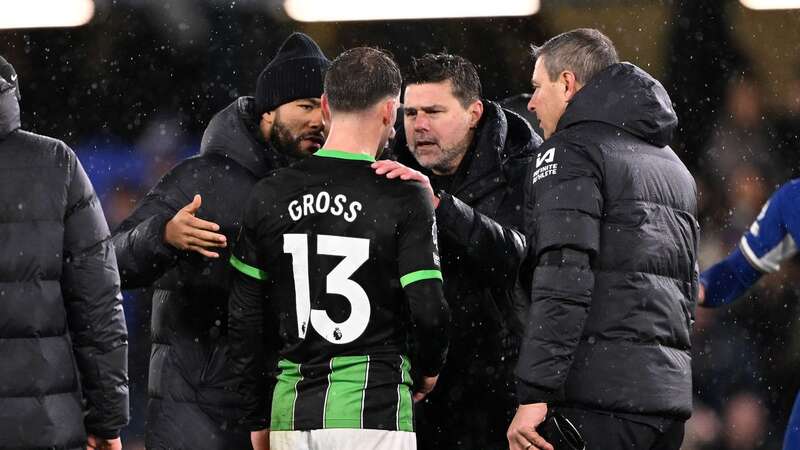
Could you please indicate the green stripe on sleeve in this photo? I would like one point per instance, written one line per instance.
(420, 275)
(285, 396)
(345, 398)
(405, 421)
(250, 271)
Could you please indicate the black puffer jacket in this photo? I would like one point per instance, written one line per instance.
(611, 216)
(62, 330)
(481, 243)
(192, 399)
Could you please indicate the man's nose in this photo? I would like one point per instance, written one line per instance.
(316, 121)
(422, 122)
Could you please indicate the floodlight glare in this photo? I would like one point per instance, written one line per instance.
(45, 13)
(771, 4)
(349, 10)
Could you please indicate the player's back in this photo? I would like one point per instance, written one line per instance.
(336, 243)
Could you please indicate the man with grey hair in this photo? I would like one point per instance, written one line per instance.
(612, 238)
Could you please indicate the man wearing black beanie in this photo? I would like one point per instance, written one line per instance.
(176, 242)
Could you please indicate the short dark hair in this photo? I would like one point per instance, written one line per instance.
(435, 68)
(584, 52)
(361, 77)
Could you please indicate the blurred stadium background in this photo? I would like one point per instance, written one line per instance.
(131, 84)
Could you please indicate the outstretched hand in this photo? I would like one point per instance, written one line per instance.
(187, 232)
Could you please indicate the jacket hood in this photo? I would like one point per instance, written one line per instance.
(9, 109)
(232, 133)
(626, 97)
(501, 135)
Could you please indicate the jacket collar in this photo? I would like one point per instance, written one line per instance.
(234, 133)
(626, 97)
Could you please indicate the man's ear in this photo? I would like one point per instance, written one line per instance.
(266, 122)
(326, 109)
(571, 85)
(475, 111)
(388, 112)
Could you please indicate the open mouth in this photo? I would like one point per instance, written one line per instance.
(426, 143)
(314, 139)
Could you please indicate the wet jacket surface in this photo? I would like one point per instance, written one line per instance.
(610, 215)
(63, 339)
(481, 243)
(191, 386)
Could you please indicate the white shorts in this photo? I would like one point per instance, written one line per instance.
(342, 439)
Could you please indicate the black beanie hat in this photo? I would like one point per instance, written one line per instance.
(297, 71)
(8, 73)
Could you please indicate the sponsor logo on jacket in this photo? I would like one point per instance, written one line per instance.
(545, 165)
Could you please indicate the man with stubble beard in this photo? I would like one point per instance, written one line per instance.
(176, 242)
(471, 155)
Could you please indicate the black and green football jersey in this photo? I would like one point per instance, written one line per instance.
(347, 261)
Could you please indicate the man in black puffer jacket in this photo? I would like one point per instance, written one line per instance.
(165, 243)
(63, 341)
(613, 237)
(475, 156)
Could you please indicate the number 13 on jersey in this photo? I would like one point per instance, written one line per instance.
(355, 252)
